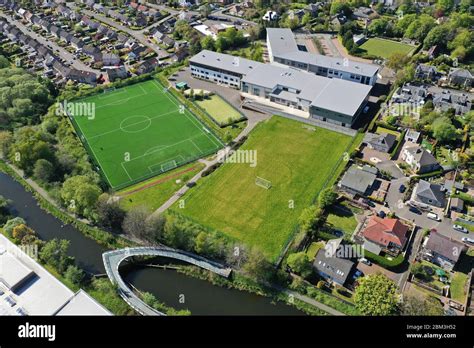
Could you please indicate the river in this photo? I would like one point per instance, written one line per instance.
(169, 286)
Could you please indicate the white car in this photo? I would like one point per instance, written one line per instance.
(460, 228)
(467, 240)
(364, 260)
(433, 216)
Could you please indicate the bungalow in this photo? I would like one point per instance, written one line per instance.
(461, 77)
(428, 193)
(388, 235)
(381, 142)
(362, 13)
(442, 251)
(93, 52)
(419, 159)
(410, 93)
(331, 268)
(358, 180)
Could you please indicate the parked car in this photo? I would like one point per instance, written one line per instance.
(415, 210)
(460, 228)
(467, 240)
(357, 274)
(381, 214)
(402, 188)
(433, 216)
(366, 110)
(365, 261)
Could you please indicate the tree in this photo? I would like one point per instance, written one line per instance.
(443, 130)
(378, 26)
(397, 60)
(418, 306)
(6, 140)
(74, 274)
(300, 264)
(54, 253)
(155, 227)
(21, 231)
(11, 224)
(43, 170)
(201, 243)
(310, 219)
(4, 63)
(135, 222)
(208, 43)
(257, 266)
(80, 195)
(376, 295)
(327, 198)
(109, 212)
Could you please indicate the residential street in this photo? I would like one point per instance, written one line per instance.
(60, 51)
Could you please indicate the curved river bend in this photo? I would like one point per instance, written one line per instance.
(170, 287)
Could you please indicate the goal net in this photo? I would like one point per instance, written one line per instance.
(108, 90)
(266, 184)
(168, 166)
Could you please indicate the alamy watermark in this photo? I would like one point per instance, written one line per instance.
(83, 109)
(240, 156)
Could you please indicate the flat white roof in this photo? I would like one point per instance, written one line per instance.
(83, 304)
(40, 293)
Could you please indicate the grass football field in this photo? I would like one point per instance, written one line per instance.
(297, 161)
(219, 109)
(140, 131)
(385, 48)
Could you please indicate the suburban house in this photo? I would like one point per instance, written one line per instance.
(446, 100)
(426, 72)
(110, 59)
(442, 251)
(381, 142)
(358, 180)
(313, 96)
(332, 268)
(410, 93)
(461, 77)
(117, 73)
(428, 193)
(283, 49)
(384, 234)
(452, 186)
(419, 159)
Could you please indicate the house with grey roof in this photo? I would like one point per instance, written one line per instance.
(332, 268)
(461, 77)
(426, 72)
(420, 160)
(447, 99)
(358, 181)
(283, 49)
(383, 142)
(457, 205)
(442, 251)
(452, 186)
(410, 93)
(429, 193)
(116, 73)
(412, 136)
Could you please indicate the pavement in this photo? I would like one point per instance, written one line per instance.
(58, 51)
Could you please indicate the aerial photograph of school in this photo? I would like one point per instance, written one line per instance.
(237, 158)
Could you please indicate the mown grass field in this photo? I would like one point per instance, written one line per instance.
(222, 112)
(384, 48)
(155, 192)
(297, 161)
(140, 131)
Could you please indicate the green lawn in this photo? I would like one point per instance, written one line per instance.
(458, 281)
(381, 130)
(298, 163)
(140, 131)
(384, 48)
(313, 249)
(156, 191)
(341, 218)
(221, 111)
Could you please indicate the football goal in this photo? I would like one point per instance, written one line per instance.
(266, 184)
(168, 166)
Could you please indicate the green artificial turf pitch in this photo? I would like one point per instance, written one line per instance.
(140, 131)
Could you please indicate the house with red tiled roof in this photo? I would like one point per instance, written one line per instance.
(384, 234)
